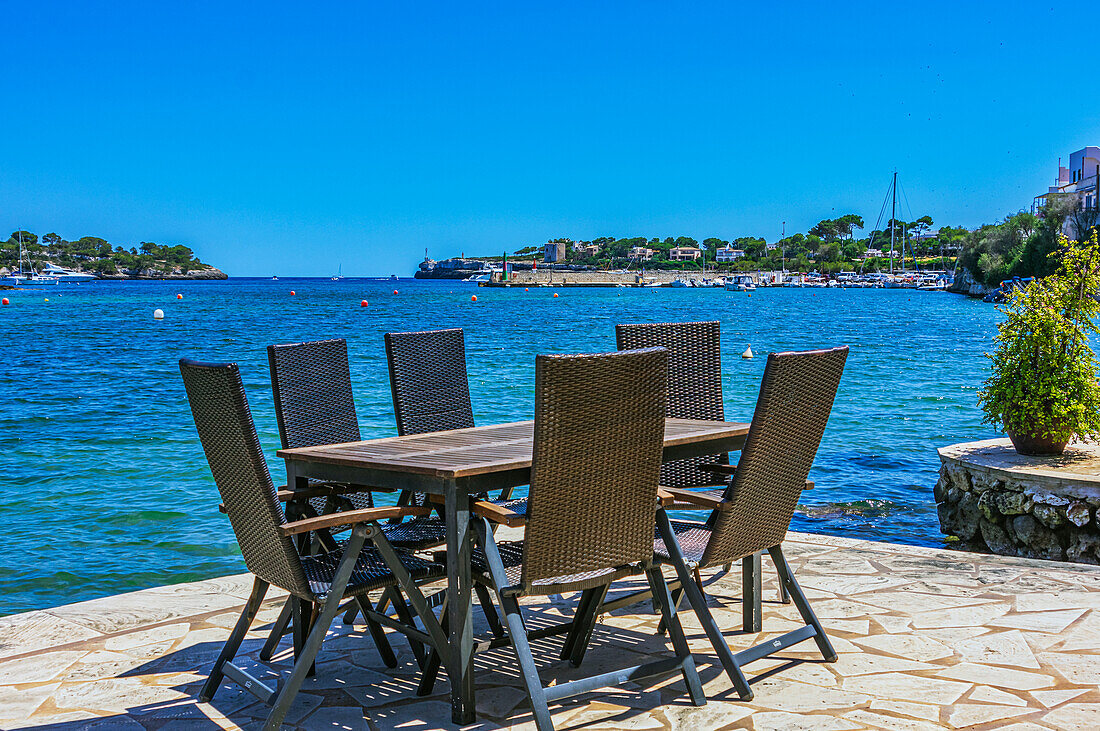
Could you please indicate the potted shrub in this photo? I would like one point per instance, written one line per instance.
(1043, 387)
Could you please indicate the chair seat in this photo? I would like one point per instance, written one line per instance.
(511, 555)
(371, 571)
(692, 537)
(422, 533)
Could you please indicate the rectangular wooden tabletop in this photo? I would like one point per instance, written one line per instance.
(481, 449)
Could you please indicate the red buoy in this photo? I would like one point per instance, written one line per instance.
(395, 291)
(292, 293)
(526, 290)
(5, 301)
(555, 294)
(179, 296)
(473, 298)
(363, 303)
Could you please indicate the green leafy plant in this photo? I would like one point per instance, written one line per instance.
(1044, 379)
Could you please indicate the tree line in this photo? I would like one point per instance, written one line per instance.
(829, 246)
(93, 254)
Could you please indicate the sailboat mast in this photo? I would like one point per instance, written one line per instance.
(893, 217)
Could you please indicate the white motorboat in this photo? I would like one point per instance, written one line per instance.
(67, 275)
(679, 283)
(741, 283)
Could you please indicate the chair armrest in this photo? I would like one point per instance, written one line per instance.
(719, 469)
(701, 500)
(665, 498)
(352, 517)
(499, 514)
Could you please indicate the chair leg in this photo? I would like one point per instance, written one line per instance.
(535, 692)
(676, 634)
(584, 631)
(786, 576)
(677, 600)
(278, 630)
(229, 650)
(385, 651)
(485, 599)
(312, 643)
(699, 604)
(406, 616)
(578, 622)
(430, 671)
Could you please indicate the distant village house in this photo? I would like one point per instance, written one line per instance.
(641, 253)
(1081, 181)
(684, 253)
(728, 253)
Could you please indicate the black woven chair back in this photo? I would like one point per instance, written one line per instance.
(796, 397)
(314, 403)
(428, 381)
(694, 384)
(599, 434)
(228, 437)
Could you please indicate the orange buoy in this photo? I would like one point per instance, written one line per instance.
(395, 291)
(363, 303)
(292, 293)
(5, 301)
(179, 296)
(555, 294)
(526, 290)
(473, 298)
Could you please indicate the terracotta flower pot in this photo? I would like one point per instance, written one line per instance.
(1036, 446)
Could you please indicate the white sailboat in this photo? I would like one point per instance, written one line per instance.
(26, 275)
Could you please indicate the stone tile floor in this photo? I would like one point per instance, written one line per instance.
(927, 639)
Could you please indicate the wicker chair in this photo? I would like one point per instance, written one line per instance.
(317, 583)
(694, 387)
(599, 427)
(314, 405)
(694, 392)
(431, 391)
(796, 397)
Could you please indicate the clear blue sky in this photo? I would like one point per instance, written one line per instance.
(291, 138)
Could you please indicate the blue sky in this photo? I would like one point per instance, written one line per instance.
(279, 138)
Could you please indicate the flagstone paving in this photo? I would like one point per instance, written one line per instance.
(927, 638)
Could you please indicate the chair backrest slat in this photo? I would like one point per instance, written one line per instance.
(228, 437)
(694, 384)
(796, 397)
(428, 380)
(599, 433)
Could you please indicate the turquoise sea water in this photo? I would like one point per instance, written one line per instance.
(105, 488)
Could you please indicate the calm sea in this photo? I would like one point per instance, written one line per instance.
(104, 484)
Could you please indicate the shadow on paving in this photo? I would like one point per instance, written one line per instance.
(351, 680)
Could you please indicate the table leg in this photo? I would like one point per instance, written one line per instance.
(294, 481)
(460, 660)
(751, 609)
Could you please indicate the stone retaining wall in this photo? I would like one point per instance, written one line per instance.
(1016, 514)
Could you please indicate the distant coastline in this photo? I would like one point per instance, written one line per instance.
(96, 256)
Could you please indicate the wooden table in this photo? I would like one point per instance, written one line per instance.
(456, 464)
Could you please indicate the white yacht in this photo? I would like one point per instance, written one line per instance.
(67, 275)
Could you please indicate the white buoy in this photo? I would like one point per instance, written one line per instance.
(747, 355)
(158, 314)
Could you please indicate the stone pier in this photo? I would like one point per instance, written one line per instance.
(994, 499)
